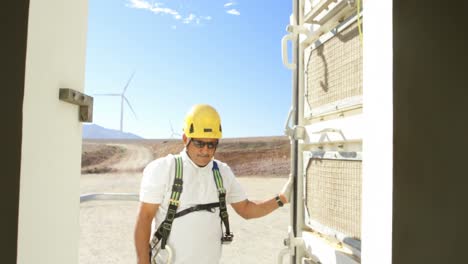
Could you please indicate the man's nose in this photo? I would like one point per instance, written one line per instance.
(205, 148)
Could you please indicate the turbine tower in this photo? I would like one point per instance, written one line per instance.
(122, 99)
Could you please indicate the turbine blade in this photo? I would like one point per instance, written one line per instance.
(129, 105)
(107, 94)
(172, 131)
(128, 82)
(172, 128)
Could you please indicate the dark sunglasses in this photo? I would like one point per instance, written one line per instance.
(202, 144)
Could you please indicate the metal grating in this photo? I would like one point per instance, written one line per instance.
(334, 70)
(334, 195)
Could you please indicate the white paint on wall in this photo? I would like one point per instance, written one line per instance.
(378, 134)
(48, 225)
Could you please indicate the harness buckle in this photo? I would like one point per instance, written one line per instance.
(171, 214)
(223, 214)
(174, 202)
(227, 238)
(167, 226)
(177, 187)
(154, 242)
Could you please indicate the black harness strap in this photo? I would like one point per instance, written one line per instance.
(198, 207)
(223, 214)
(162, 233)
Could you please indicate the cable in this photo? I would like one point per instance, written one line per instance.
(359, 20)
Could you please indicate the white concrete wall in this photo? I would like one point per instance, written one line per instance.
(377, 178)
(48, 225)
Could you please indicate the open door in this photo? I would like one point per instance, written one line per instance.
(326, 131)
(51, 113)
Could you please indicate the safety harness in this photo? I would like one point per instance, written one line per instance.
(164, 230)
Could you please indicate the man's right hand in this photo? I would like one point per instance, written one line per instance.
(143, 231)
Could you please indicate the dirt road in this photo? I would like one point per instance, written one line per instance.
(135, 158)
(115, 157)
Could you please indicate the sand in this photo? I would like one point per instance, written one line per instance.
(106, 227)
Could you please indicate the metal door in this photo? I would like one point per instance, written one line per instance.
(326, 131)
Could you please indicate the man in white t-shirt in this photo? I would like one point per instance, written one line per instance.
(197, 235)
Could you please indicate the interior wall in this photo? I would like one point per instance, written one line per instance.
(430, 132)
(13, 28)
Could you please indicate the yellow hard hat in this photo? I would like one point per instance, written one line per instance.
(202, 121)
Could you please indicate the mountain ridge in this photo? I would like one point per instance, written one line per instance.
(94, 131)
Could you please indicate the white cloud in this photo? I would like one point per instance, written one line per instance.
(229, 4)
(174, 27)
(157, 9)
(192, 18)
(140, 4)
(233, 12)
(189, 19)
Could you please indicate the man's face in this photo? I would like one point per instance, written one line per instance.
(201, 150)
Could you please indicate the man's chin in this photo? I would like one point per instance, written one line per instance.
(202, 162)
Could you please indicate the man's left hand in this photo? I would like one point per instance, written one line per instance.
(286, 191)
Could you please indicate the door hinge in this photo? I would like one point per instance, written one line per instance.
(85, 103)
(296, 132)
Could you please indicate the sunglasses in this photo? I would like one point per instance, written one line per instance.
(202, 144)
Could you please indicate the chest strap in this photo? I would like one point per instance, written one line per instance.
(198, 207)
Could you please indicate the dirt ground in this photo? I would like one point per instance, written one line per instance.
(262, 156)
(106, 227)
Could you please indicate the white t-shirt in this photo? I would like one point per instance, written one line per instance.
(195, 237)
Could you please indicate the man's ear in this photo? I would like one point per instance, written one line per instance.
(184, 139)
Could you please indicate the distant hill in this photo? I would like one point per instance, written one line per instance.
(94, 131)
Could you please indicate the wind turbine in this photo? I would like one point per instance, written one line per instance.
(172, 130)
(122, 99)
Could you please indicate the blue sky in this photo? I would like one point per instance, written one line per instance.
(183, 52)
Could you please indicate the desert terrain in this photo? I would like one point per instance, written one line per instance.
(115, 166)
(262, 156)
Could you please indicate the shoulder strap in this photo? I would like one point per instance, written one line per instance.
(223, 214)
(163, 231)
